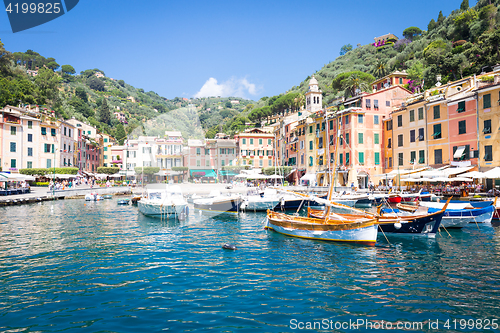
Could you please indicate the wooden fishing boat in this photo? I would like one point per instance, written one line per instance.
(412, 224)
(359, 231)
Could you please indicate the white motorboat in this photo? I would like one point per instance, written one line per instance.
(218, 204)
(164, 201)
(255, 202)
(93, 197)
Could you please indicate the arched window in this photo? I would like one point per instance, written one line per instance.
(311, 161)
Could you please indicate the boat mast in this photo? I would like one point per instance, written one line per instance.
(330, 193)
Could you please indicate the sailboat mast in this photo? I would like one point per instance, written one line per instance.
(330, 193)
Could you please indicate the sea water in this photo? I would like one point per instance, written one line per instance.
(95, 266)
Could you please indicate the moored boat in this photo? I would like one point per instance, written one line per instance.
(360, 231)
(93, 197)
(219, 204)
(164, 201)
(255, 202)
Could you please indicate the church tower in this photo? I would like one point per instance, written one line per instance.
(314, 96)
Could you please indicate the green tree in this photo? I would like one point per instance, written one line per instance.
(464, 5)
(432, 24)
(345, 81)
(95, 83)
(47, 83)
(441, 17)
(103, 113)
(121, 83)
(346, 48)
(228, 105)
(380, 69)
(412, 32)
(68, 69)
(53, 65)
(120, 134)
(354, 85)
(5, 60)
(81, 93)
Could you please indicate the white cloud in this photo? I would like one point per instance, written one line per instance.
(233, 87)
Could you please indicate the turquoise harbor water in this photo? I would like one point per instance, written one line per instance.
(71, 266)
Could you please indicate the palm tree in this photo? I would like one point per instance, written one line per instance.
(354, 85)
(380, 70)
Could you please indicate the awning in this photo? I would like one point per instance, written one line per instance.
(493, 173)
(227, 173)
(203, 173)
(60, 176)
(308, 176)
(459, 152)
(168, 173)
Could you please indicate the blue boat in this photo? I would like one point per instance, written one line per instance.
(459, 218)
(422, 224)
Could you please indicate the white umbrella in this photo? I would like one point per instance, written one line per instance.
(473, 174)
(493, 173)
(461, 179)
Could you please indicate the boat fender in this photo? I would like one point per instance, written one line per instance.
(397, 225)
(229, 246)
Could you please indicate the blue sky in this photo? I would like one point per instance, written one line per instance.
(193, 48)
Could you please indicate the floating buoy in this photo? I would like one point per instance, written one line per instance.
(229, 246)
(397, 225)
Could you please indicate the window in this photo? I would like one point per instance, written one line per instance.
(461, 107)
(437, 131)
(311, 161)
(69, 133)
(261, 163)
(389, 125)
(412, 136)
(46, 148)
(387, 103)
(360, 118)
(368, 103)
(347, 138)
(347, 161)
(361, 157)
(223, 162)
(260, 141)
(375, 103)
(400, 80)
(487, 126)
(198, 151)
(389, 143)
(207, 163)
(44, 130)
(331, 140)
(105, 148)
(413, 156)
(30, 124)
(421, 156)
(270, 163)
(310, 145)
(198, 163)
(269, 142)
(29, 165)
(320, 142)
(390, 162)
(377, 158)
(465, 155)
(207, 151)
(310, 129)
(376, 138)
(400, 120)
(400, 159)
(244, 141)
(462, 127)
(412, 115)
(13, 163)
(420, 113)
(346, 120)
(400, 140)
(488, 153)
(375, 120)
(30, 137)
(12, 147)
(437, 112)
(89, 132)
(331, 124)
(13, 130)
(320, 162)
(323, 126)
(360, 138)
(53, 132)
(341, 159)
(49, 163)
(438, 156)
(251, 141)
(421, 134)
(486, 101)
(30, 151)
(221, 151)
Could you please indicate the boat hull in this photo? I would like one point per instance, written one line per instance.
(259, 205)
(394, 199)
(161, 211)
(427, 224)
(218, 206)
(364, 233)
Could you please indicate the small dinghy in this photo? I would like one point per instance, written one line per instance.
(123, 202)
(93, 197)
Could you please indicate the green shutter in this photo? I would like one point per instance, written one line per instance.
(341, 159)
(377, 158)
(437, 112)
(361, 158)
(421, 156)
(347, 159)
(376, 138)
(486, 101)
(310, 145)
(360, 137)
